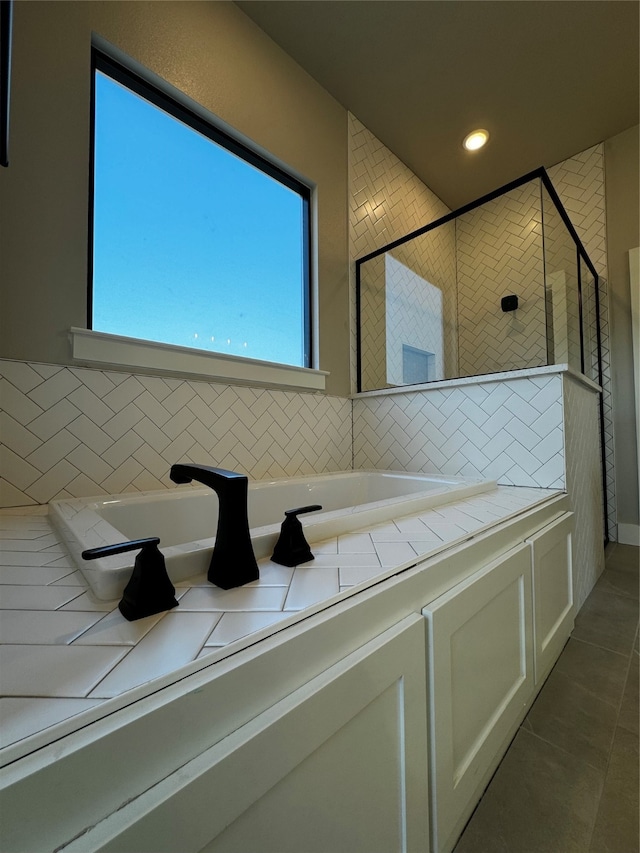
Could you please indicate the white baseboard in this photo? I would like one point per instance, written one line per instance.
(629, 534)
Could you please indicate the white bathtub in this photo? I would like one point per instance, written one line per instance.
(186, 518)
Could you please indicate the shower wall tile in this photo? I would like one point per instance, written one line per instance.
(499, 252)
(60, 439)
(510, 431)
(584, 484)
(387, 201)
(580, 183)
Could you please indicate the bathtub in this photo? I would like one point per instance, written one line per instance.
(185, 518)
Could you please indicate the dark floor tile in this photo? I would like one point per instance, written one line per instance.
(609, 620)
(630, 709)
(623, 557)
(616, 828)
(620, 581)
(574, 718)
(598, 670)
(541, 800)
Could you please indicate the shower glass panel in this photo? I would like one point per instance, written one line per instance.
(408, 297)
(561, 285)
(589, 323)
(499, 252)
(431, 305)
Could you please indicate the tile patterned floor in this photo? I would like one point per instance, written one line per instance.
(63, 651)
(569, 781)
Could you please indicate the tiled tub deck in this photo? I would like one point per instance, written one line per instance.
(63, 651)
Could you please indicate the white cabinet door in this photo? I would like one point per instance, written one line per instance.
(339, 765)
(552, 592)
(480, 661)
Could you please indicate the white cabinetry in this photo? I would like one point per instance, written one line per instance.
(318, 738)
(480, 660)
(338, 765)
(552, 592)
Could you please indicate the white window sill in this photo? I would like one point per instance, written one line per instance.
(90, 347)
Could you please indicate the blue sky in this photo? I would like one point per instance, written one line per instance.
(192, 246)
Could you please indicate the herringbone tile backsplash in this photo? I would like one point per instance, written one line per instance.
(510, 431)
(76, 432)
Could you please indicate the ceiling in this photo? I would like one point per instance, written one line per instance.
(547, 78)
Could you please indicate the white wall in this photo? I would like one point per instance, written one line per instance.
(622, 162)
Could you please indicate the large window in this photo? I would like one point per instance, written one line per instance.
(197, 240)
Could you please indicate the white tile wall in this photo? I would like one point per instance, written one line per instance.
(414, 313)
(579, 182)
(584, 484)
(80, 432)
(499, 252)
(510, 431)
(387, 201)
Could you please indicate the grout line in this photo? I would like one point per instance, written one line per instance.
(570, 754)
(597, 646)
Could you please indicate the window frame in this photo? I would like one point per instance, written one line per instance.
(137, 83)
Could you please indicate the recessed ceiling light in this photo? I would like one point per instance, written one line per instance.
(476, 139)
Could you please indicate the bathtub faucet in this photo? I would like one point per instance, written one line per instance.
(233, 562)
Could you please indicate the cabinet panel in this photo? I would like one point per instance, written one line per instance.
(481, 679)
(552, 592)
(339, 765)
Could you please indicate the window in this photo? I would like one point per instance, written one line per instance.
(197, 240)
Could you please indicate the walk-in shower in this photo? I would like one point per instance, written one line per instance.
(501, 284)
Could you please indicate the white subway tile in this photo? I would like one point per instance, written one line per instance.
(91, 405)
(20, 374)
(233, 626)
(90, 434)
(123, 421)
(15, 470)
(38, 627)
(309, 586)
(95, 380)
(176, 640)
(18, 438)
(241, 598)
(54, 389)
(394, 553)
(23, 716)
(122, 449)
(54, 419)
(56, 479)
(114, 630)
(125, 393)
(53, 450)
(30, 670)
(17, 404)
(19, 597)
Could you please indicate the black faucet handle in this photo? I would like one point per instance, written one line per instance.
(301, 509)
(149, 590)
(292, 548)
(120, 548)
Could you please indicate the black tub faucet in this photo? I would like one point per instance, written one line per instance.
(233, 562)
